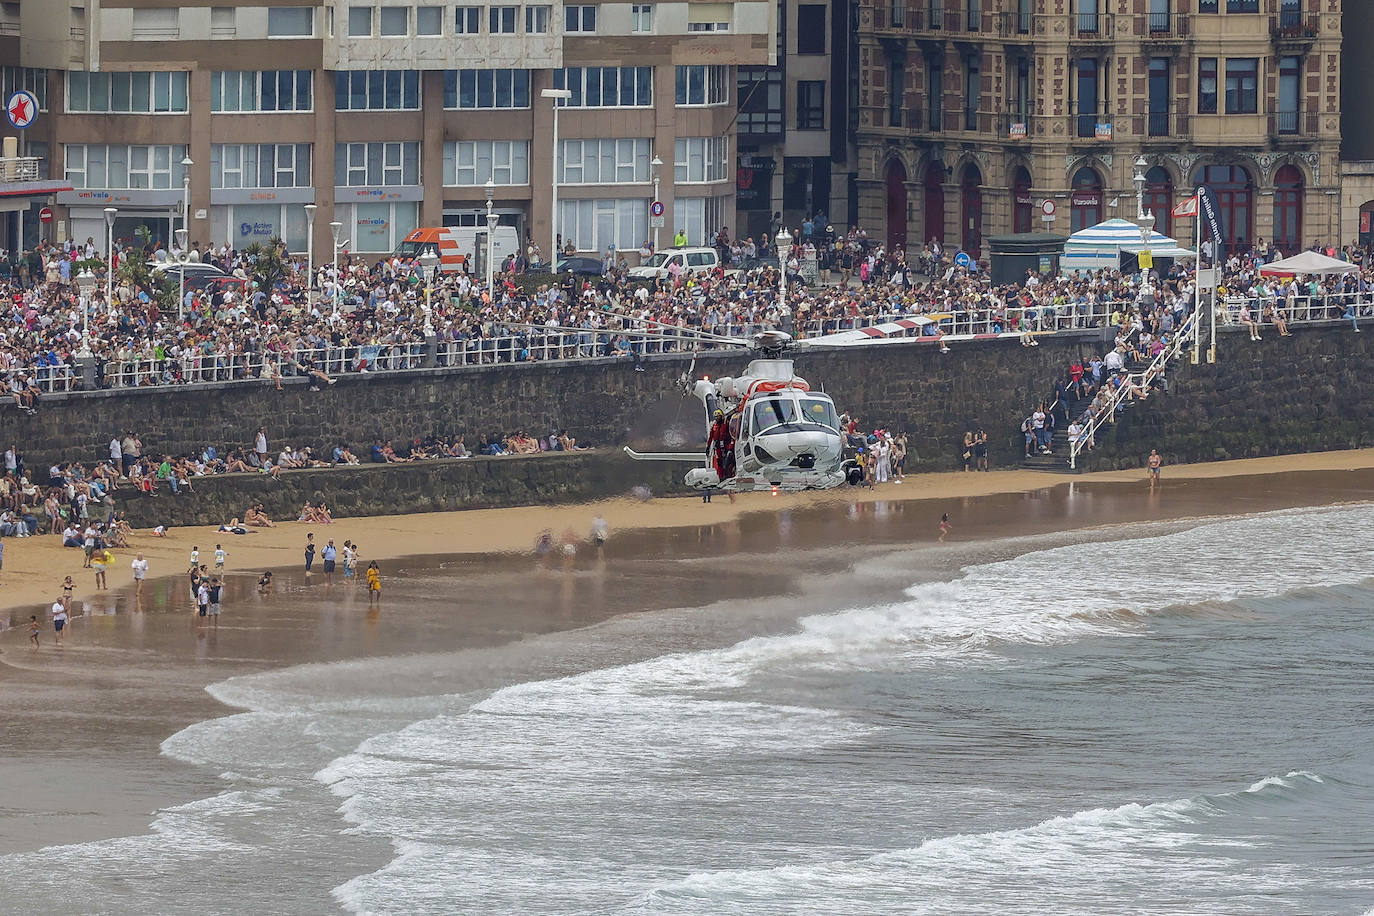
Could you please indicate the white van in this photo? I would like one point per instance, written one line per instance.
(697, 260)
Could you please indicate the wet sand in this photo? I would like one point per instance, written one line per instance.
(83, 725)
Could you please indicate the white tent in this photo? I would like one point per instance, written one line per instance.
(1100, 246)
(1308, 262)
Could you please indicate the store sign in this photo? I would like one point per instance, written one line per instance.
(257, 230)
(139, 198)
(378, 194)
(1104, 131)
(1086, 200)
(1018, 130)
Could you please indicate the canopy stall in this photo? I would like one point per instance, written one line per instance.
(1102, 246)
(1308, 262)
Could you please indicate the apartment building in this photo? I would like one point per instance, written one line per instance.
(972, 111)
(386, 114)
(797, 118)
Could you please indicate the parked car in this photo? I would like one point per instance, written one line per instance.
(583, 267)
(197, 274)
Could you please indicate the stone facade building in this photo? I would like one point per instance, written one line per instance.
(971, 112)
(386, 114)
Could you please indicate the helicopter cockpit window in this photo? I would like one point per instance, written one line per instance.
(815, 410)
(773, 413)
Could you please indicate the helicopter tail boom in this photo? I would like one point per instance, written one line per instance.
(695, 457)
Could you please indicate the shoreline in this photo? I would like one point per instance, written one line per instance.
(34, 567)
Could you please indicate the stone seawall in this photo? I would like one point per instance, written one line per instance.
(1311, 392)
(908, 386)
(388, 489)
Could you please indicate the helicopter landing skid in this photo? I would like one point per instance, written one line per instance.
(793, 481)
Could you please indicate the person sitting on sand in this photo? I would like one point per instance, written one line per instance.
(233, 527)
(322, 515)
(256, 517)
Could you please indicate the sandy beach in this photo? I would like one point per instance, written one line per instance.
(97, 710)
(34, 568)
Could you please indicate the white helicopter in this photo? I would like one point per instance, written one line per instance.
(767, 430)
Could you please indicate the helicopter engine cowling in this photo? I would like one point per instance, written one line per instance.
(702, 478)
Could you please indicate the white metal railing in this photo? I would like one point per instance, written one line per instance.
(1153, 370)
(1046, 318)
(19, 168)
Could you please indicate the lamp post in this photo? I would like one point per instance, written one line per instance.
(428, 261)
(334, 228)
(783, 241)
(491, 231)
(181, 273)
(309, 257)
(556, 95)
(655, 164)
(85, 281)
(110, 213)
(1146, 221)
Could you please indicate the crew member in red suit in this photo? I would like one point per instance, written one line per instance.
(721, 445)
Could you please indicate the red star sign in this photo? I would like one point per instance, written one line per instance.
(19, 111)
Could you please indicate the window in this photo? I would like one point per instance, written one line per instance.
(702, 85)
(708, 26)
(896, 92)
(536, 20)
(290, 22)
(467, 20)
(811, 29)
(501, 20)
(472, 163)
(157, 23)
(974, 19)
(122, 168)
(1290, 74)
(467, 89)
(34, 79)
(359, 21)
(1206, 6)
(698, 217)
(429, 20)
(395, 21)
(596, 225)
(973, 90)
(642, 17)
(378, 227)
(759, 90)
(700, 159)
(377, 90)
(1242, 85)
(260, 165)
(1207, 85)
(1158, 121)
(811, 105)
(361, 165)
(139, 91)
(1242, 6)
(604, 161)
(222, 23)
(579, 19)
(262, 90)
(607, 87)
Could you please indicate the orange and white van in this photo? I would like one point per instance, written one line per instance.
(459, 247)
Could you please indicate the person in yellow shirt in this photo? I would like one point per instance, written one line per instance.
(374, 583)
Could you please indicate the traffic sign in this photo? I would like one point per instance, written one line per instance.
(1047, 207)
(656, 208)
(22, 109)
(963, 260)
(45, 215)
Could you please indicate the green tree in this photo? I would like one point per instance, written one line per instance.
(266, 264)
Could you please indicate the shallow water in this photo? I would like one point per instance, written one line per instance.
(1152, 719)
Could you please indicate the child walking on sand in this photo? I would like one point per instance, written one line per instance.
(944, 526)
(34, 629)
(374, 583)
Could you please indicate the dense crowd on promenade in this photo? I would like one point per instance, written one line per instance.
(375, 316)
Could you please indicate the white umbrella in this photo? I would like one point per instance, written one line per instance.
(1308, 262)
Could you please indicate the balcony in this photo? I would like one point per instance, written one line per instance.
(1013, 24)
(1091, 28)
(926, 120)
(1291, 30)
(19, 168)
(1093, 124)
(1163, 126)
(890, 20)
(1292, 125)
(930, 18)
(1167, 27)
(1016, 125)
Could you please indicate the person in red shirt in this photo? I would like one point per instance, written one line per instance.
(721, 444)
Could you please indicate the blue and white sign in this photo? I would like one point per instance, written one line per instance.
(963, 260)
(22, 109)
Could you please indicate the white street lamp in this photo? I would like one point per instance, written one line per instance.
(428, 261)
(85, 281)
(334, 228)
(181, 259)
(556, 95)
(783, 240)
(1146, 221)
(110, 213)
(655, 164)
(309, 257)
(491, 232)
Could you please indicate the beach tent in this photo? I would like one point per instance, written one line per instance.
(1101, 246)
(1308, 262)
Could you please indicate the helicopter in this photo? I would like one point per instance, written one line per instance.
(774, 432)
